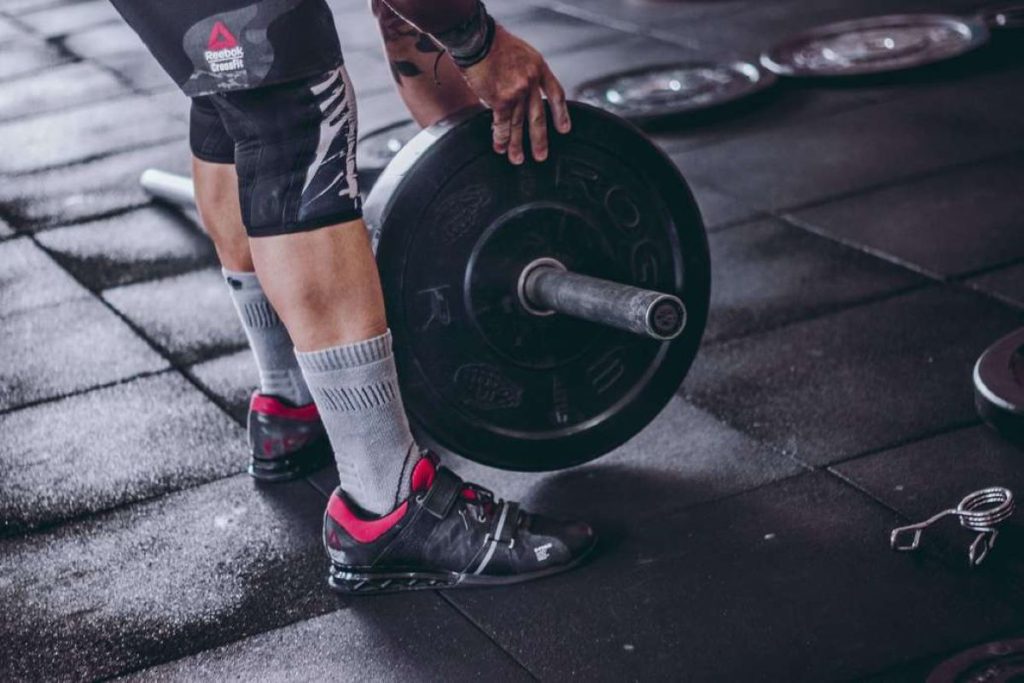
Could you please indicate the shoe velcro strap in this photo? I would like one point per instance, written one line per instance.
(442, 493)
(505, 523)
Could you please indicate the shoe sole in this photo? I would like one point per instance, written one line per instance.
(351, 581)
(299, 464)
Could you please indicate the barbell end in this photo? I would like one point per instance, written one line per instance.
(666, 318)
(169, 187)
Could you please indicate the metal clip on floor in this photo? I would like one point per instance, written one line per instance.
(980, 511)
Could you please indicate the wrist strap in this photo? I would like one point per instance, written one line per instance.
(471, 41)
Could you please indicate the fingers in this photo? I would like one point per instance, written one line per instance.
(538, 126)
(501, 130)
(556, 98)
(515, 142)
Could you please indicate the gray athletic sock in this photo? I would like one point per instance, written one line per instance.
(355, 387)
(280, 374)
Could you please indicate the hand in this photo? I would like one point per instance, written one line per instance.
(511, 81)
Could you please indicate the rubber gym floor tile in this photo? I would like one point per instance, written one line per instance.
(553, 33)
(9, 30)
(645, 16)
(854, 150)
(175, 104)
(792, 581)
(85, 132)
(30, 279)
(719, 209)
(925, 477)
(776, 107)
(950, 223)
(16, 7)
(83, 191)
(162, 579)
(683, 458)
(850, 382)
(985, 96)
(139, 69)
(138, 245)
(343, 6)
(232, 379)
(110, 447)
(63, 86)
(1006, 283)
(768, 273)
(24, 56)
(103, 40)
(68, 18)
(369, 71)
(357, 28)
(190, 316)
(399, 637)
(53, 351)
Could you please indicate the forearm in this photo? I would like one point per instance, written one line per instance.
(428, 81)
(463, 27)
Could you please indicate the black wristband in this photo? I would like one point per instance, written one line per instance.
(470, 41)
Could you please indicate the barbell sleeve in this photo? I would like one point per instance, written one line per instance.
(176, 189)
(547, 287)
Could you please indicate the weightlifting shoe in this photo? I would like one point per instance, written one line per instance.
(285, 441)
(447, 534)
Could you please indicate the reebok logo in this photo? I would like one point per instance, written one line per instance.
(221, 38)
(223, 53)
(541, 552)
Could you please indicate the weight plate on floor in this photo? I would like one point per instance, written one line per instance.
(663, 90)
(455, 224)
(999, 385)
(1001, 661)
(379, 147)
(1004, 16)
(875, 45)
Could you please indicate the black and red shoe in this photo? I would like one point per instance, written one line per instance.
(285, 441)
(447, 534)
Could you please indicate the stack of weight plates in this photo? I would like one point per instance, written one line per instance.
(875, 45)
(999, 385)
(1005, 16)
(663, 91)
(378, 147)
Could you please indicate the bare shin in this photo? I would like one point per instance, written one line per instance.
(323, 284)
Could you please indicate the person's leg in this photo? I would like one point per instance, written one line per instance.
(344, 347)
(216, 187)
(286, 437)
(311, 250)
(427, 79)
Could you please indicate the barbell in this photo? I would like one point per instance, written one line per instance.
(542, 314)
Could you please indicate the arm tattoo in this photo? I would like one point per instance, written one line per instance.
(426, 44)
(401, 68)
(393, 29)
